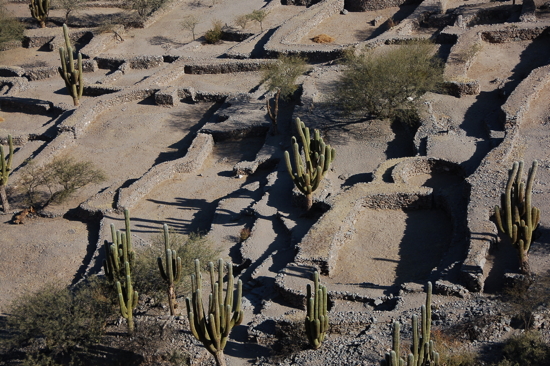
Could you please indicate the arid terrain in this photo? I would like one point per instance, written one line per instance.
(170, 120)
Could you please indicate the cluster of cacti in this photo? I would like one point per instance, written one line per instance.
(318, 156)
(73, 77)
(422, 348)
(518, 218)
(40, 10)
(5, 170)
(317, 317)
(212, 328)
(171, 273)
(118, 268)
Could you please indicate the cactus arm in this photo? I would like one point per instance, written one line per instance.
(316, 323)
(213, 329)
(311, 168)
(73, 77)
(518, 218)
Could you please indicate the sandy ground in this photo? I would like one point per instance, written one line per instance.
(389, 248)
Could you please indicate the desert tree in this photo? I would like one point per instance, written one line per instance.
(190, 23)
(280, 78)
(56, 181)
(145, 7)
(69, 7)
(242, 20)
(259, 16)
(388, 85)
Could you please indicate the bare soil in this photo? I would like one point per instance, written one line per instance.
(388, 247)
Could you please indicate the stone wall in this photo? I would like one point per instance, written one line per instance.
(488, 180)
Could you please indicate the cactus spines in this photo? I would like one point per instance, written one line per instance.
(73, 77)
(317, 317)
(119, 252)
(127, 298)
(422, 348)
(318, 156)
(5, 170)
(172, 272)
(518, 218)
(39, 11)
(213, 328)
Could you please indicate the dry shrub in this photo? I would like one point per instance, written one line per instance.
(323, 38)
(214, 35)
(147, 277)
(245, 234)
(56, 324)
(449, 349)
(526, 349)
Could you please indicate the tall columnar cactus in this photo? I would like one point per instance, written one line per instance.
(127, 298)
(422, 348)
(5, 170)
(213, 328)
(119, 252)
(40, 10)
(72, 77)
(317, 317)
(518, 218)
(317, 155)
(172, 272)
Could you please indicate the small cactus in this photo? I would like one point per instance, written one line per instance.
(127, 298)
(118, 268)
(213, 328)
(172, 272)
(5, 170)
(40, 10)
(119, 252)
(318, 156)
(317, 317)
(518, 218)
(73, 77)
(422, 348)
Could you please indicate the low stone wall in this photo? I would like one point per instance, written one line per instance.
(199, 150)
(225, 66)
(286, 37)
(89, 109)
(489, 179)
(371, 5)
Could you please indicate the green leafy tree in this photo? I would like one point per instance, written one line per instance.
(259, 16)
(280, 77)
(387, 85)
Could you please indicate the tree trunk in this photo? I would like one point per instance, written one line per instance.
(4, 199)
(76, 102)
(42, 24)
(524, 264)
(309, 201)
(220, 358)
(274, 113)
(172, 300)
